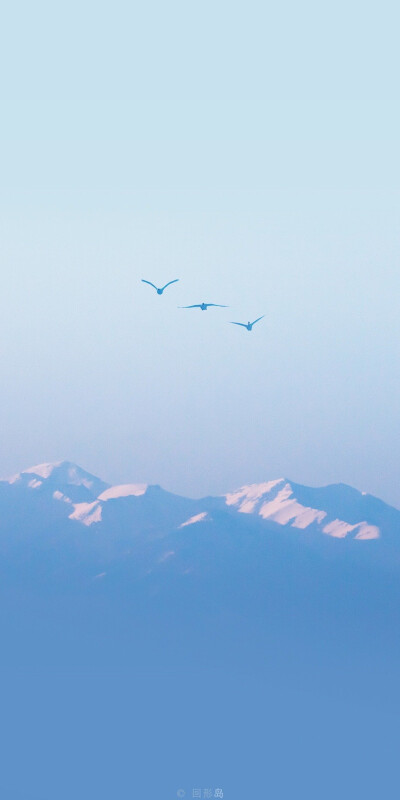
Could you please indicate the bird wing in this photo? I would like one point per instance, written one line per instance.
(195, 306)
(238, 323)
(169, 283)
(150, 283)
(218, 305)
(258, 320)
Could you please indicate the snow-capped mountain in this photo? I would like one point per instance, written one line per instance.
(271, 580)
(68, 491)
(337, 511)
(63, 478)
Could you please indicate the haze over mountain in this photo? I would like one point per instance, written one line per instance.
(65, 488)
(64, 497)
(275, 606)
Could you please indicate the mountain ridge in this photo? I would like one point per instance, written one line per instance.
(335, 510)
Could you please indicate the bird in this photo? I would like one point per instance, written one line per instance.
(160, 291)
(249, 325)
(204, 306)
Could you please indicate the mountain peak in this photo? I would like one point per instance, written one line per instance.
(45, 470)
(337, 510)
(65, 477)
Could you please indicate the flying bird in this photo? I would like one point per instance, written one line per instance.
(160, 291)
(204, 306)
(249, 325)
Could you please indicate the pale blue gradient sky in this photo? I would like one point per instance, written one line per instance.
(253, 153)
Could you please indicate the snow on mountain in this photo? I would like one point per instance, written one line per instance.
(196, 518)
(62, 477)
(43, 470)
(248, 498)
(138, 506)
(282, 502)
(87, 513)
(125, 490)
(337, 511)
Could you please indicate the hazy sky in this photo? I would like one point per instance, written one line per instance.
(250, 151)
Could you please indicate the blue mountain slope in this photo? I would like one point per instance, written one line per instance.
(139, 628)
(344, 502)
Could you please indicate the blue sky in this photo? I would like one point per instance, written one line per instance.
(251, 151)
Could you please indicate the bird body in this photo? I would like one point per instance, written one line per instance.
(204, 306)
(249, 325)
(160, 291)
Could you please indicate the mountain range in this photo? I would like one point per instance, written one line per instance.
(229, 638)
(65, 490)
